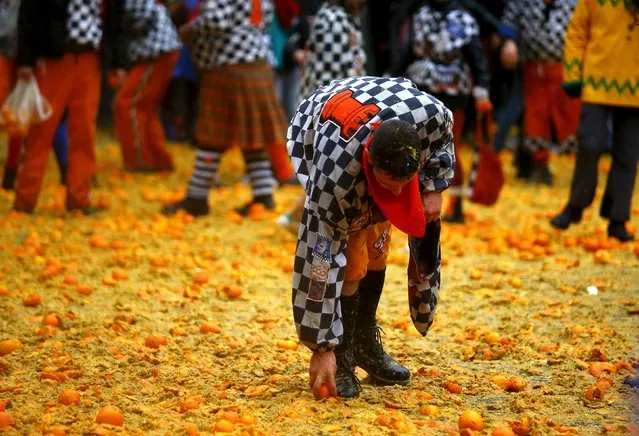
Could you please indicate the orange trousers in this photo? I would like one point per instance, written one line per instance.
(547, 107)
(137, 124)
(8, 70)
(72, 83)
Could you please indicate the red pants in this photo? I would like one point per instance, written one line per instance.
(548, 108)
(8, 69)
(459, 119)
(72, 83)
(137, 123)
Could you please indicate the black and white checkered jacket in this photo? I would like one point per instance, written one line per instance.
(153, 30)
(334, 49)
(325, 145)
(84, 23)
(224, 33)
(540, 28)
(448, 52)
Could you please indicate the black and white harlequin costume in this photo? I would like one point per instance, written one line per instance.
(334, 49)
(326, 148)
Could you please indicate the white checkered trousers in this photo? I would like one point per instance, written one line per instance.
(325, 142)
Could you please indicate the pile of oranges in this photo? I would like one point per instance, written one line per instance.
(11, 124)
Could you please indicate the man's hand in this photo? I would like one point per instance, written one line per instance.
(186, 32)
(509, 55)
(432, 202)
(322, 371)
(25, 73)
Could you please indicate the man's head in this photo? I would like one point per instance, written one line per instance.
(394, 154)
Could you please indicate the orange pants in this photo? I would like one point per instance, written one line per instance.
(459, 119)
(367, 249)
(8, 70)
(548, 108)
(72, 83)
(137, 123)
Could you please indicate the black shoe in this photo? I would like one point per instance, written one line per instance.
(617, 230)
(570, 215)
(9, 178)
(192, 206)
(370, 356)
(367, 345)
(63, 176)
(541, 175)
(457, 214)
(346, 381)
(266, 200)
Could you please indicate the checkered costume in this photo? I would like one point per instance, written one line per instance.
(158, 35)
(225, 35)
(327, 159)
(334, 49)
(441, 40)
(540, 27)
(84, 23)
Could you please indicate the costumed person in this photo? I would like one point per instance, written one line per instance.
(237, 102)
(370, 152)
(450, 63)
(600, 66)
(537, 28)
(152, 50)
(59, 43)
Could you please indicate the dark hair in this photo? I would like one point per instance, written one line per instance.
(395, 149)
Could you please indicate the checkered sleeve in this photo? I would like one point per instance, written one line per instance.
(216, 16)
(332, 36)
(438, 152)
(420, 28)
(510, 20)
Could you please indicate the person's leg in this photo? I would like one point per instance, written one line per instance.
(84, 100)
(129, 120)
(368, 348)
(592, 136)
(537, 121)
(617, 199)
(566, 112)
(55, 80)
(205, 172)
(455, 213)
(61, 150)
(509, 114)
(258, 168)
(7, 81)
(159, 156)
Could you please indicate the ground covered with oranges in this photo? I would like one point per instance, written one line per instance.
(130, 322)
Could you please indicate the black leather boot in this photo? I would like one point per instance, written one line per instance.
(369, 352)
(9, 178)
(192, 206)
(266, 200)
(617, 230)
(346, 381)
(569, 215)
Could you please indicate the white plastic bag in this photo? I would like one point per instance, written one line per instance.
(24, 107)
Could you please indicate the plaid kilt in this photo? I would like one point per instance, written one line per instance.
(238, 107)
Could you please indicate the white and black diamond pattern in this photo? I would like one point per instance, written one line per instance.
(541, 28)
(334, 49)
(84, 22)
(224, 34)
(327, 160)
(162, 37)
(438, 41)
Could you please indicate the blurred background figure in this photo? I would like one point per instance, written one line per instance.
(600, 66)
(151, 49)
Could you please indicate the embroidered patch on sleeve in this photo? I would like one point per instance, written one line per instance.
(322, 249)
(319, 279)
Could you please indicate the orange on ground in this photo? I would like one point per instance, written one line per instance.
(70, 280)
(470, 419)
(84, 290)
(155, 341)
(429, 410)
(208, 327)
(324, 392)
(451, 387)
(287, 344)
(224, 426)
(502, 430)
(119, 274)
(6, 420)
(189, 404)
(110, 415)
(52, 320)
(32, 300)
(247, 419)
(8, 346)
(69, 397)
(200, 278)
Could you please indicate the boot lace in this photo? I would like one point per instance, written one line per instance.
(346, 361)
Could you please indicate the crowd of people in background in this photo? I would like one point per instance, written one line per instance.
(560, 76)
